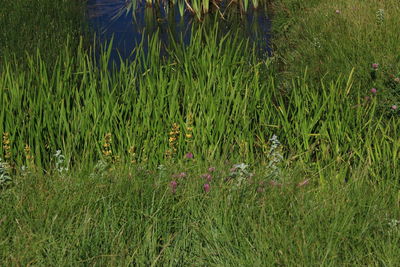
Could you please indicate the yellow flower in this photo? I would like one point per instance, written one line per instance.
(6, 145)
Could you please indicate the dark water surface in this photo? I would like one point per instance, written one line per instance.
(110, 19)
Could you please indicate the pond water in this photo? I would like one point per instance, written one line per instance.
(113, 20)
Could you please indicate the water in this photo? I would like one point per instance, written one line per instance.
(110, 19)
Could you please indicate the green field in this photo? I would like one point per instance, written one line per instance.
(211, 156)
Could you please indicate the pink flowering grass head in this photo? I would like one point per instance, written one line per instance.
(207, 176)
(173, 185)
(189, 155)
(337, 11)
(211, 169)
(206, 188)
(394, 107)
(373, 90)
(375, 66)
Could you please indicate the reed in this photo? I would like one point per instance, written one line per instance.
(232, 96)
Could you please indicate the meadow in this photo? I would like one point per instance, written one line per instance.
(210, 155)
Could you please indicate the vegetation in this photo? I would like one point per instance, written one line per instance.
(332, 38)
(210, 155)
(132, 217)
(44, 25)
(199, 8)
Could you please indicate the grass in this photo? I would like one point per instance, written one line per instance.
(101, 167)
(131, 217)
(44, 25)
(332, 38)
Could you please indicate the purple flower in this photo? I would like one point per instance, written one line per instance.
(189, 155)
(206, 188)
(373, 90)
(394, 107)
(207, 176)
(375, 66)
(173, 185)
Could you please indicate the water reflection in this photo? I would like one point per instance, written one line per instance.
(112, 19)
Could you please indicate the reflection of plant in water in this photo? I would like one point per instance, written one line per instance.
(196, 7)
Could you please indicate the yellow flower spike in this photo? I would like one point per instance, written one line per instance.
(107, 151)
(6, 145)
(172, 139)
(27, 150)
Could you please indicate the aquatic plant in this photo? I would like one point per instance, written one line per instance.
(198, 8)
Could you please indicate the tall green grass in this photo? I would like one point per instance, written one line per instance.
(215, 90)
